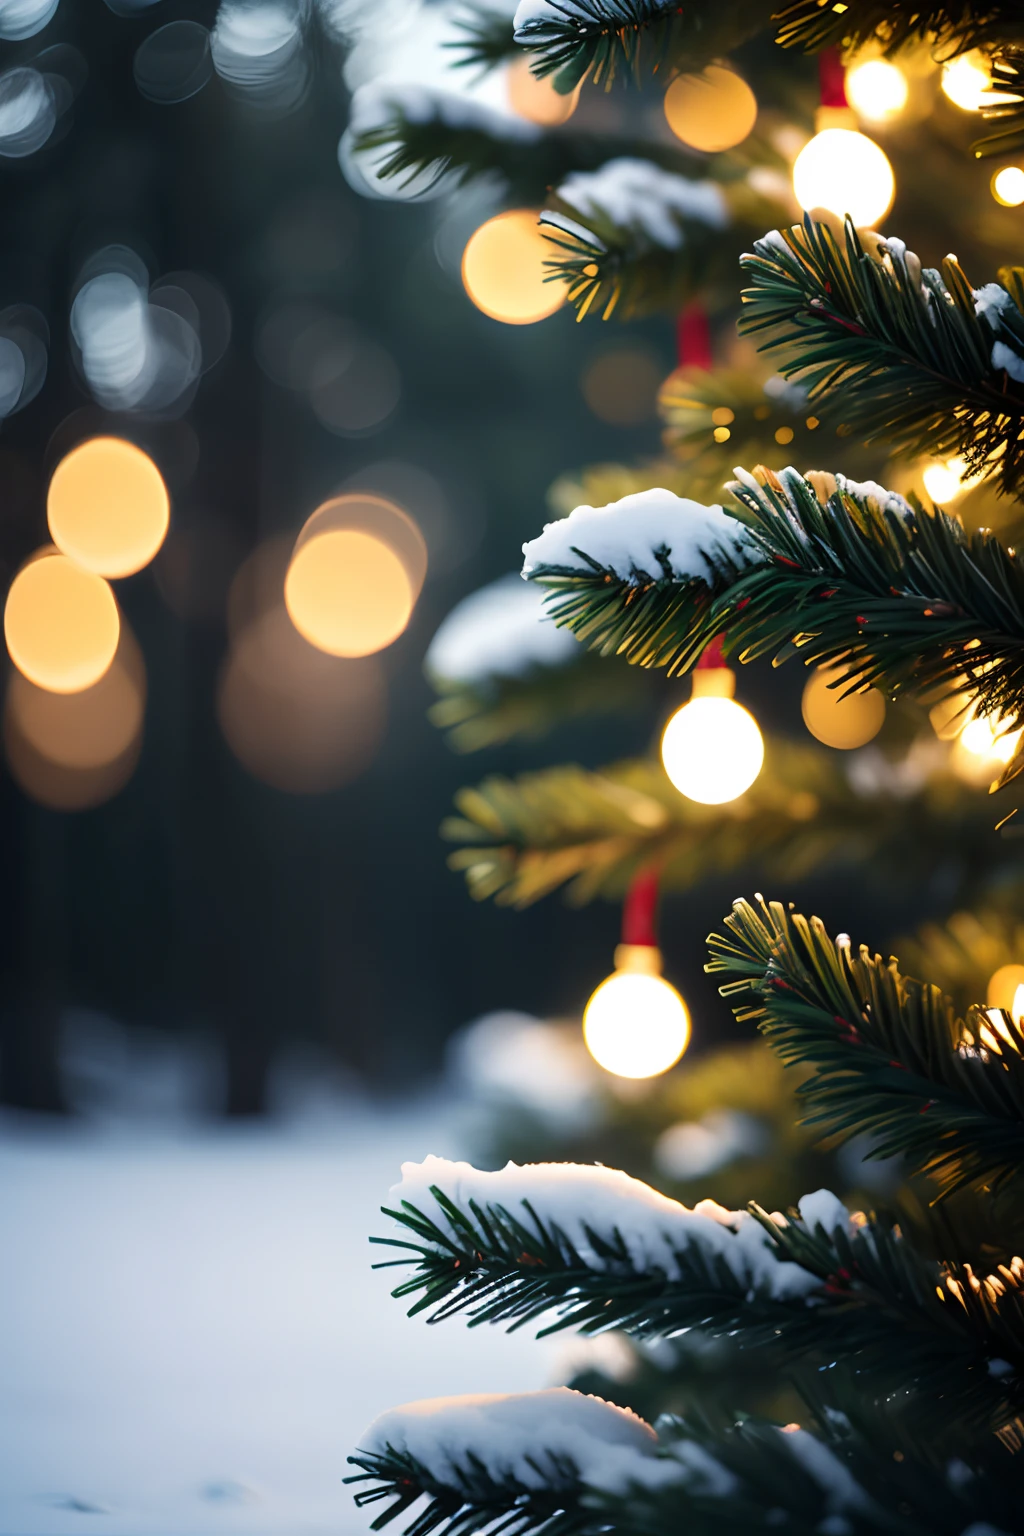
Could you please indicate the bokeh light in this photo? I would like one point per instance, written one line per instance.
(258, 51)
(836, 721)
(298, 720)
(107, 507)
(61, 624)
(91, 728)
(72, 751)
(28, 112)
(24, 18)
(24, 343)
(712, 111)
(966, 81)
(353, 580)
(636, 1024)
(1004, 986)
(621, 386)
(945, 481)
(503, 269)
(846, 173)
(173, 63)
(1008, 186)
(537, 100)
(712, 750)
(876, 89)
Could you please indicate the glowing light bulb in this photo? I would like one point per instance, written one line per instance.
(1006, 990)
(537, 100)
(966, 82)
(61, 624)
(840, 722)
(1008, 186)
(846, 173)
(989, 739)
(712, 749)
(636, 1024)
(711, 111)
(946, 481)
(503, 269)
(107, 507)
(876, 89)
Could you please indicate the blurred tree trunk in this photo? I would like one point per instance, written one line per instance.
(247, 1058)
(29, 1058)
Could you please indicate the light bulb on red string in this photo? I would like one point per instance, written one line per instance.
(636, 1025)
(712, 749)
(841, 170)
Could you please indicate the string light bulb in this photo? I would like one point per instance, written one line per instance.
(636, 1025)
(844, 172)
(712, 749)
(1008, 186)
(947, 479)
(967, 82)
(876, 89)
(1006, 990)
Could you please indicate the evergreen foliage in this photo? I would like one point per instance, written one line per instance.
(520, 839)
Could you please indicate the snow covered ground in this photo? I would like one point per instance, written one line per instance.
(192, 1339)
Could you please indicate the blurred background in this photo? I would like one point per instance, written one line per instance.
(239, 982)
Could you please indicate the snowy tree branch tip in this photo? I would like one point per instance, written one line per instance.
(647, 536)
(603, 1211)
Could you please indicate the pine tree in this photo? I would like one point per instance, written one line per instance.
(877, 1356)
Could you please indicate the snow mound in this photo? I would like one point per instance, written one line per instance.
(580, 1198)
(638, 195)
(640, 534)
(503, 630)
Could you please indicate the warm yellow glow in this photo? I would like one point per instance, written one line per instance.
(636, 1025)
(966, 82)
(537, 100)
(876, 89)
(944, 482)
(88, 729)
(989, 739)
(712, 111)
(712, 750)
(503, 269)
(621, 386)
(846, 173)
(298, 719)
(61, 624)
(348, 593)
(1008, 186)
(840, 722)
(1005, 989)
(107, 507)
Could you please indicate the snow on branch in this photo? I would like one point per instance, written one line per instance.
(604, 1215)
(534, 1439)
(648, 536)
(640, 197)
(501, 631)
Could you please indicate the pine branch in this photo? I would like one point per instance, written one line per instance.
(492, 711)
(891, 1058)
(602, 39)
(623, 269)
(530, 163)
(890, 353)
(901, 597)
(487, 40)
(521, 839)
(949, 28)
(1008, 116)
(912, 1325)
(470, 1497)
